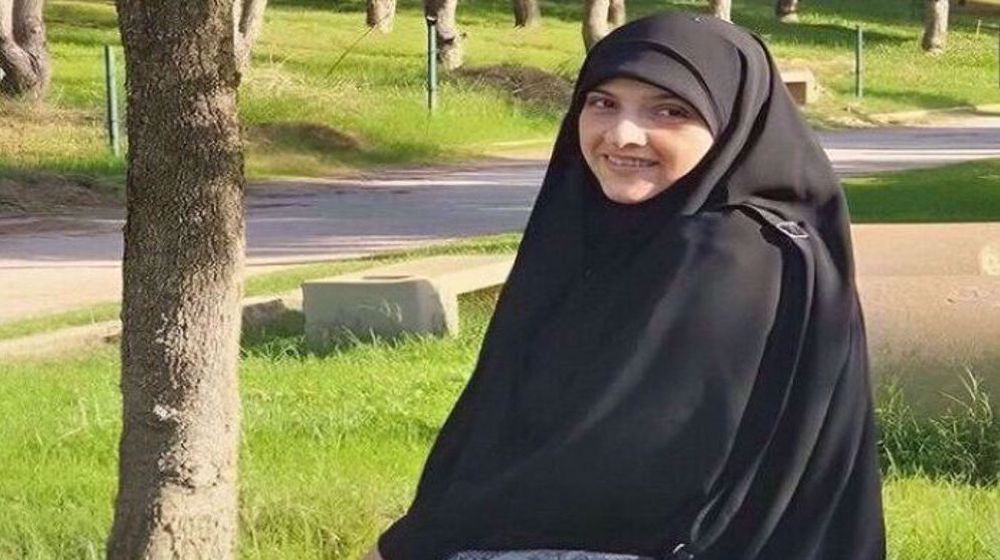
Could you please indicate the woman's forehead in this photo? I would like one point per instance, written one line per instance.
(629, 87)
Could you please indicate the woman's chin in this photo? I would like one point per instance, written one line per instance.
(631, 194)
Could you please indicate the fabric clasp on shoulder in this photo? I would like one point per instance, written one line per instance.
(792, 229)
(681, 552)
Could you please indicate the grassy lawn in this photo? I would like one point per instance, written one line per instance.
(963, 192)
(332, 449)
(307, 114)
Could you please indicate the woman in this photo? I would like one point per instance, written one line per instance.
(676, 367)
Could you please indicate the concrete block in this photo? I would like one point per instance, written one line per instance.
(801, 84)
(385, 306)
(419, 297)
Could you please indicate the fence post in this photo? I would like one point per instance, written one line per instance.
(111, 96)
(431, 63)
(859, 48)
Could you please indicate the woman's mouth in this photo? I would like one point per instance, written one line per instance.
(628, 162)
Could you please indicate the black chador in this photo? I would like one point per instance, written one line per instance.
(685, 374)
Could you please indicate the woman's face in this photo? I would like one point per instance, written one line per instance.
(638, 139)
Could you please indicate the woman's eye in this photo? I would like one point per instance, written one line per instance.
(674, 111)
(600, 103)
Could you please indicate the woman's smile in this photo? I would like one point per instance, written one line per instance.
(628, 164)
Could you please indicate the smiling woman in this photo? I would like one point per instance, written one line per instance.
(639, 139)
(676, 367)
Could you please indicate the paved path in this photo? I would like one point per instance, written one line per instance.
(53, 264)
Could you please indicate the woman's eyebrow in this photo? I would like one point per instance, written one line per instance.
(664, 96)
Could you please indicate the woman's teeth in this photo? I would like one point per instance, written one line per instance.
(630, 162)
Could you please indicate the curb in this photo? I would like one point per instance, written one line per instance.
(924, 113)
(259, 312)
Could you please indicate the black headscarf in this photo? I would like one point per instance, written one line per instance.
(701, 391)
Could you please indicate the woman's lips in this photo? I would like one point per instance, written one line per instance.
(628, 163)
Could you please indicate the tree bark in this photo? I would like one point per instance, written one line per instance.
(721, 9)
(787, 10)
(381, 15)
(25, 67)
(935, 25)
(527, 13)
(596, 17)
(450, 51)
(184, 245)
(248, 18)
(616, 13)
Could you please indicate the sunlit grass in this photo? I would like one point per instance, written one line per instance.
(333, 446)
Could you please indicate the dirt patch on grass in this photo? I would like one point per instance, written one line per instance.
(302, 136)
(985, 8)
(45, 193)
(532, 86)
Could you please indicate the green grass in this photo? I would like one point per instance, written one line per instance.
(332, 449)
(965, 192)
(306, 116)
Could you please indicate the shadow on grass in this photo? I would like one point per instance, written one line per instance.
(921, 98)
(99, 16)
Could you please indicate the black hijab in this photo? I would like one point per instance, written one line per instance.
(699, 391)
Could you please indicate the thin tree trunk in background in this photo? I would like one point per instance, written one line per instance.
(25, 67)
(721, 9)
(616, 13)
(182, 269)
(596, 14)
(450, 51)
(787, 10)
(381, 14)
(527, 13)
(935, 25)
(248, 17)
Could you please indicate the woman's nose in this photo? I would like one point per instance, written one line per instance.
(625, 132)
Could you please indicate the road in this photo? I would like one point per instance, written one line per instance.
(50, 264)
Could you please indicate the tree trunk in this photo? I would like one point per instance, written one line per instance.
(248, 17)
(596, 15)
(935, 25)
(381, 14)
(25, 68)
(787, 10)
(450, 52)
(184, 245)
(527, 13)
(616, 13)
(721, 9)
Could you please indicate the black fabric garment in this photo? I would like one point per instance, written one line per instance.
(699, 380)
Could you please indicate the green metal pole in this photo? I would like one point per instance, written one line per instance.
(998, 54)
(859, 49)
(112, 100)
(431, 63)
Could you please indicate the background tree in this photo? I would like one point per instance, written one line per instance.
(450, 51)
(721, 9)
(787, 10)
(527, 13)
(381, 14)
(248, 17)
(599, 18)
(935, 25)
(25, 68)
(184, 245)
(616, 13)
